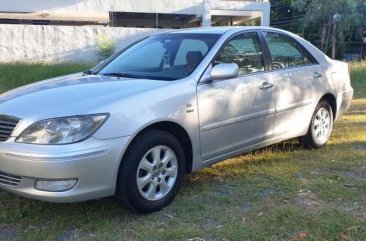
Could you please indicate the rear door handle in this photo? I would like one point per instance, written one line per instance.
(317, 75)
(266, 85)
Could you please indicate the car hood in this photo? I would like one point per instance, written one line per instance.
(70, 95)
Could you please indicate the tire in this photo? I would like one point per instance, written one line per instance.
(142, 184)
(320, 127)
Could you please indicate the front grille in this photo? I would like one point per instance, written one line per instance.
(9, 179)
(7, 125)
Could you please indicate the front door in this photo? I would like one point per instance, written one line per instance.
(237, 113)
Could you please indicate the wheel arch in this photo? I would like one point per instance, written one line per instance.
(177, 131)
(331, 99)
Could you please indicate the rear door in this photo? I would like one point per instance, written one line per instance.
(296, 76)
(239, 112)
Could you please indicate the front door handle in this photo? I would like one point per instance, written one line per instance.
(317, 75)
(266, 85)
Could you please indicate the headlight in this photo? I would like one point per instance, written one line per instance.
(65, 130)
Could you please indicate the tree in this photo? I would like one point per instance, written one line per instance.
(327, 22)
(284, 16)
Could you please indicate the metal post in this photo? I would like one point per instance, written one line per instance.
(156, 20)
(334, 40)
(206, 14)
(336, 19)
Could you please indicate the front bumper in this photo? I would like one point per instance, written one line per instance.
(94, 163)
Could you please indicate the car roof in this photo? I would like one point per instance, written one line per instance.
(222, 30)
(320, 56)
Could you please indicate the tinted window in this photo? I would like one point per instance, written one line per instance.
(308, 58)
(286, 52)
(245, 51)
(189, 45)
(153, 55)
(163, 57)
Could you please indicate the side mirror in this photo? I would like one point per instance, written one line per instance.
(224, 71)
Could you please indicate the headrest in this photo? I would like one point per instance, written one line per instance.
(194, 57)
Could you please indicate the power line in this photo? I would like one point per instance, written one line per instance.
(290, 18)
(289, 22)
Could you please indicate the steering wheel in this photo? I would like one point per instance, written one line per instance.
(278, 65)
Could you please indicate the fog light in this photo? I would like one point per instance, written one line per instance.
(55, 186)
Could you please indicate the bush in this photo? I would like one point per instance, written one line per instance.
(106, 46)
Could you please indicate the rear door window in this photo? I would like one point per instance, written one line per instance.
(286, 52)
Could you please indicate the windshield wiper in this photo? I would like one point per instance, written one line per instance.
(89, 72)
(120, 75)
(124, 75)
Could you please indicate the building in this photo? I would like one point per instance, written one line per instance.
(73, 25)
(134, 13)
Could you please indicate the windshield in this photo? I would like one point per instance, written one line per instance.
(162, 57)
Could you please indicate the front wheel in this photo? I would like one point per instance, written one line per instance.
(320, 127)
(151, 172)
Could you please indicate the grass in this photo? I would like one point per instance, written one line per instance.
(282, 192)
(14, 75)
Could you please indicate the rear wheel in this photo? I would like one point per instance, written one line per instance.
(320, 127)
(151, 172)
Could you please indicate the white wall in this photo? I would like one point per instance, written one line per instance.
(63, 43)
(33, 43)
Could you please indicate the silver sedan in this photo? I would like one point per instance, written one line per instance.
(169, 104)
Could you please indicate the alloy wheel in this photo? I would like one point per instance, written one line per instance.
(322, 125)
(157, 173)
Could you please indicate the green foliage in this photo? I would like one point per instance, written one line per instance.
(318, 20)
(13, 75)
(106, 46)
(284, 16)
(358, 78)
